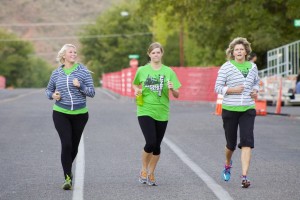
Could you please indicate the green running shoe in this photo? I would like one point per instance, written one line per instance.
(67, 184)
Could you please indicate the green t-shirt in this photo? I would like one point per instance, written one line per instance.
(66, 111)
(68, 71)
(244, 69)
(155, 91)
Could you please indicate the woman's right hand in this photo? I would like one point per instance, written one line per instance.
(137, 92)
(236, 90)
(56, 96)
(239, 88)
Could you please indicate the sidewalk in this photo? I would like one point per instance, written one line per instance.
(293, 111)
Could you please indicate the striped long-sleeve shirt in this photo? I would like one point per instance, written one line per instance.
(72, 98)
(229, 76)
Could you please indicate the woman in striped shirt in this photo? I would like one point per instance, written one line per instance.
(238, 82)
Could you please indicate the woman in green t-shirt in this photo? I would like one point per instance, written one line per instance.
(154, 81)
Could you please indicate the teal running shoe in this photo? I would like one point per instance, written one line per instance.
(226, 172)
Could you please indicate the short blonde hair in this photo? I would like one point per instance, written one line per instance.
(154, 46)
(62, 52)
(233, 43)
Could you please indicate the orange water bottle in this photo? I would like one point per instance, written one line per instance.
(139, 99)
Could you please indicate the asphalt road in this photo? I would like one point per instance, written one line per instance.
(108, 164)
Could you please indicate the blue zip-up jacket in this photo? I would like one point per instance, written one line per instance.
(72, 98)
(230, 76)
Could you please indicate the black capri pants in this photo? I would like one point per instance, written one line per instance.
(154, 132)
(245, 121)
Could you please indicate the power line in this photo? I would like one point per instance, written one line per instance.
(77, 37)
(47, 24)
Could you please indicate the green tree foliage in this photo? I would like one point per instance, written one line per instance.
(17, 64)
(210, 25)
(117, 37)
(37, 73)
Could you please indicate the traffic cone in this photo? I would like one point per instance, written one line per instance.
(261, 107)
(219, 105)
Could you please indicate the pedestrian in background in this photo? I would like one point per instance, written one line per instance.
(69, 86)
(238, 82)
(297, 88)
(154, 82)
(252, 57)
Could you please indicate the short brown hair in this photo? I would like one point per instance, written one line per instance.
(154, 46)
(238, 40)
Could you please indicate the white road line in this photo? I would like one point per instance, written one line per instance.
(216, 189)
(107, 93)
(19, 96)
(79, 172)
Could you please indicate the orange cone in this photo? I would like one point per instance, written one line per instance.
(219, 105)
(261, 107)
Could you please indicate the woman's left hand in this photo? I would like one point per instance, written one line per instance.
(254, 94)
(174, 92)
(170, 85)
(76, 83)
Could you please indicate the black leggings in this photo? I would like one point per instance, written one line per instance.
(154, 132)
(69, 128)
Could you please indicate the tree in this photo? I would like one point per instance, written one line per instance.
(116, 37)
(17, 64)
(211, 25)
(37, 73)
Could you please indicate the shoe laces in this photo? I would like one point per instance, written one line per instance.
(68, 179)
(143, 174)
(151, 177)
(244, 178)
(227, 168)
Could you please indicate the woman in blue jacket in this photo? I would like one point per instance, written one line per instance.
(69, 86)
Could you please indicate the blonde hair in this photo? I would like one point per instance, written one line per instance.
(238, 40)
(60, 55)
(154, 46)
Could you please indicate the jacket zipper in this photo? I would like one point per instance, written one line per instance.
(245, 85)
(242, 98)
(69, 92)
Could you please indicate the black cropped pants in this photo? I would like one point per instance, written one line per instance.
(245, 122)
(154, 132)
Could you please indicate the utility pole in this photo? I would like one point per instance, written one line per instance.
(181, 43)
